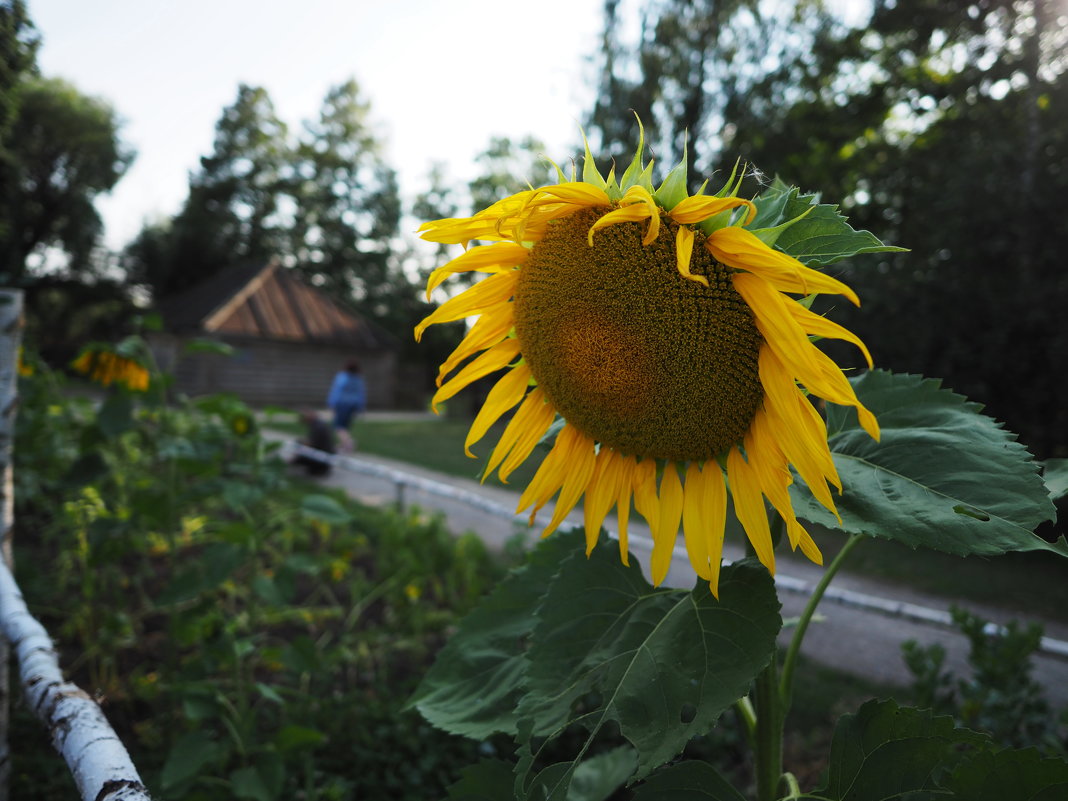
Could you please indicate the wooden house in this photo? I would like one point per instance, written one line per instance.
(288, 338)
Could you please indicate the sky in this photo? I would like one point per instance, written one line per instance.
(442, 77)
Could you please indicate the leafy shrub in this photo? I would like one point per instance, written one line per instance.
(251, 635)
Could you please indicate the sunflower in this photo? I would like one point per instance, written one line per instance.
(106, 368)
(665, 335)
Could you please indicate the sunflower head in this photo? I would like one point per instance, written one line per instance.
(669, 337)
(106, 367)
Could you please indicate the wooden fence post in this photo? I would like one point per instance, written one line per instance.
(10, 340)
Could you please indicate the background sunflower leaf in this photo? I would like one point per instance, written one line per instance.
(990, 776)
(944, 476)
(662, 664)
(489, 780)
(886, 751)
(474, 684)
(822, 237)
(691, 780)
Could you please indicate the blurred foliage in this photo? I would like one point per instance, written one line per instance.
(999, 696)
(61, 151)
(251, 635)
(943, 125)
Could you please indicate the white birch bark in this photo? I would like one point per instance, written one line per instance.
(10, 340)
(97, 759)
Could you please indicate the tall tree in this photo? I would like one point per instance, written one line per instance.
(672, 77)
(232, 213)
(62, 151)
(347, 208)
(18, 53)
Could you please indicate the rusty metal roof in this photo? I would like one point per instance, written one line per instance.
(269, 302)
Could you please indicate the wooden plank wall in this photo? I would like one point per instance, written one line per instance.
(280, 373)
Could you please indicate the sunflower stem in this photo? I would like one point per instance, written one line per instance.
(770, 716)
(790, 662)
(769, 732)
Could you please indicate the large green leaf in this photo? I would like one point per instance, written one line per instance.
(888, 752)
(821, 237)
(474, 685)
(663, 664)
(1023, 775)
(691, 780)
(943, 476)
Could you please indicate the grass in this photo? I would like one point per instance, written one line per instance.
(1028, 584)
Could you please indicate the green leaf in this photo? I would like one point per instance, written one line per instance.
(885, 752)
(249, 783)
(663, 664)
(943, 476)
(691, 780)
(1055, 476)
(597, 778)
(325, 508)
(296, 738)
(215, 565)
(822, 237)
(187, 758)
(1012, 774)
(474, 685)
(115, 415)
(490, 780)
(207, 346)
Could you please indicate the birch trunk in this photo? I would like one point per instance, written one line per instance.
(10, 340)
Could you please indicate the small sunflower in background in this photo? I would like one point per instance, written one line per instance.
(105, 367)
(25, 368)
(667, 337)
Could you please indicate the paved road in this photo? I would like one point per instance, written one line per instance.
(859, 641)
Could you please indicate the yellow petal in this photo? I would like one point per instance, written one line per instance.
(704, 516)
(482, 296)
(684, 252)
(581, 458)
(530, 422)
(548, 478)
(494, 359)
(816, 325)
(645, 501)
(627, 472)
(740, 249)
(667, 529)
(771, 470)
(694, 209)
(601, 493)
(777, 326)
(749, 507)
(807, 544)
(505, 394)
(575, 192)
(485, 259)
(626, 214)
(492, 326)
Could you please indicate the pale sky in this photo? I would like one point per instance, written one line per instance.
(442, 76)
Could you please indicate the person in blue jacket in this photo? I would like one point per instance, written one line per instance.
(347, 398)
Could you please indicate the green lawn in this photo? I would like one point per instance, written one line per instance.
(1025, 583)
